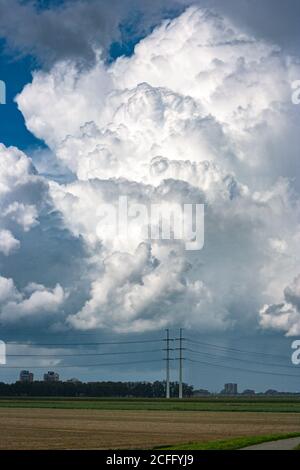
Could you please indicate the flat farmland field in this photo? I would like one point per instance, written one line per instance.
(57, 427)
(260, 404)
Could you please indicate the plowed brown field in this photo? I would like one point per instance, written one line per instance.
(101, 429)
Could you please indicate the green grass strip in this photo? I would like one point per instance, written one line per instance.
(231, 444)
(265, 406)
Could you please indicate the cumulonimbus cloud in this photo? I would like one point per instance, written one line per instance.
(23, 195)
(194, 115)
(16, 306)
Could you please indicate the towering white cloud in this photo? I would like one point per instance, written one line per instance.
(284, 316)
(35, 301)
(8, 243)
(22, 194)
(201, 112)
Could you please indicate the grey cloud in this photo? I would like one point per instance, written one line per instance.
(292, 293)
(64, 32)
(286, 315)
(74, 29)
(274, 20)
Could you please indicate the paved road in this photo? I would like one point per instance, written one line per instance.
(283, 444)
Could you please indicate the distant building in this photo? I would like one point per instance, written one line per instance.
(230, 389)
(26, 376)
(249, 392)
(74, 381)
(51, 377)
(272, 392)
(201, 393)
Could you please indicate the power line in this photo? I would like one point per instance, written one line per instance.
(58, 366)
(240, 359)
(15, 343)
(258, 353)
(217, 355)
(85, 354)
(243, 370)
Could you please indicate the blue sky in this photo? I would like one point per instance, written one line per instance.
(16, 73)
(47, 254)
(269, 18)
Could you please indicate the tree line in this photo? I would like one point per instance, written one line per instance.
(92, 389)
